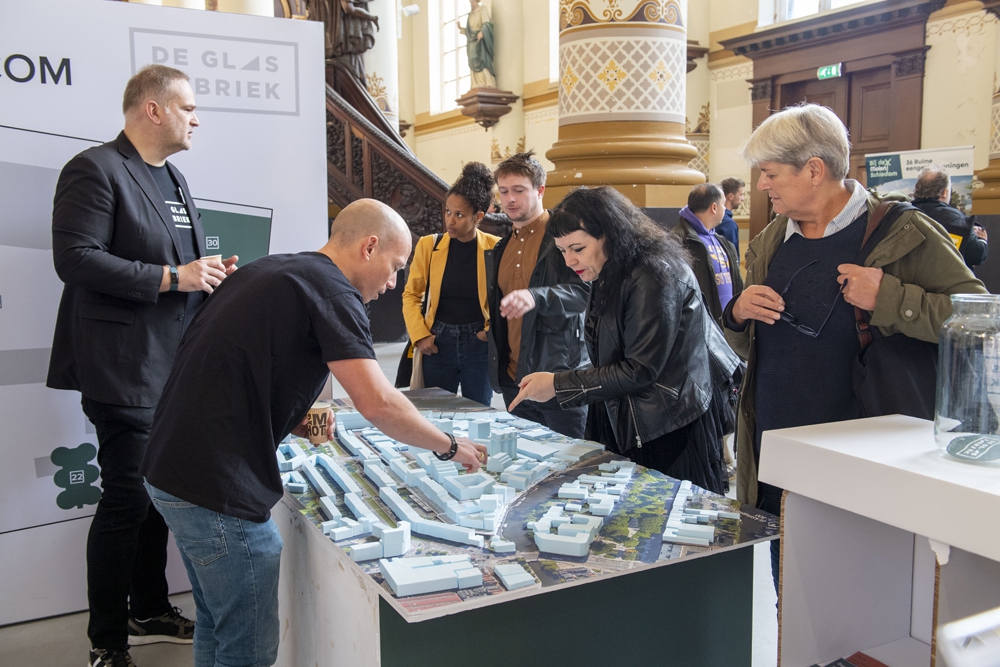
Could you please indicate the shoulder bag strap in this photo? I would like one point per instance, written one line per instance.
(874, 233)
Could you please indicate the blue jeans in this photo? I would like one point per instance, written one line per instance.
(233, 567)
(461, 359)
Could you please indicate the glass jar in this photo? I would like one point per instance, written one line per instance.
(967, 414)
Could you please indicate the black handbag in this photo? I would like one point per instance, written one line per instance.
(404, 371)
(892, 374)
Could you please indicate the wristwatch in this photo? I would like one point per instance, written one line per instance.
(450, 454)
(174, 279)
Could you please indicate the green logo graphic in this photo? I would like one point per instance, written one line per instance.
(76, 476)
(975, 448)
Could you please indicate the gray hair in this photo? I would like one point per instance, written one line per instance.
(796, 134)
(932, 182)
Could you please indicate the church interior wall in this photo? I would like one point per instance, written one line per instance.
(959, 79)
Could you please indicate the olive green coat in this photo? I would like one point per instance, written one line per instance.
(922, 270)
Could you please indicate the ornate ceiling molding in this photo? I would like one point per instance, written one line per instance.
(575, 13)
(853, 22)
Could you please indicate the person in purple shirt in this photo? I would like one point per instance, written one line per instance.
(715, 260)
(733, 188)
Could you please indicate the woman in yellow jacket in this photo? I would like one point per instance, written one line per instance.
(451, 335)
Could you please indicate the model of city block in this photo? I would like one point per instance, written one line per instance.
(545, 510)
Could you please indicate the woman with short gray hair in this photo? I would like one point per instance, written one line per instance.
(795, 321)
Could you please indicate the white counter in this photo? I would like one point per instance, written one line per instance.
(889, 469)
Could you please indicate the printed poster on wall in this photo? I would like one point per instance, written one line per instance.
(898, 171)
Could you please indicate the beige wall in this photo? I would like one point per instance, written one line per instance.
(959, 79)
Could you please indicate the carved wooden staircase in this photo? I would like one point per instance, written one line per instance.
(366, 158)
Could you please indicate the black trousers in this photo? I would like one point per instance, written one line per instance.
(127, 544)
(571, 422)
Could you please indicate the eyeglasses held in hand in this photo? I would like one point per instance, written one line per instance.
(793, 321)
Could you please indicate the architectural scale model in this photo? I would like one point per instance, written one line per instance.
(544, 511)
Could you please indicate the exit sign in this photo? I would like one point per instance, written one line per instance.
(828, 71)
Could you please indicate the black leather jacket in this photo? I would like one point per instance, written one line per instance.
(657, 358)
(552, 333)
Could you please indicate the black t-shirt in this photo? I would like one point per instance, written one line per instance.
(251, 364)
(174, 198)
(459, 300)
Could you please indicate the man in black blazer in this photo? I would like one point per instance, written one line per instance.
(127, 242)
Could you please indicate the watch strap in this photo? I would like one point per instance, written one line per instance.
(174, 279)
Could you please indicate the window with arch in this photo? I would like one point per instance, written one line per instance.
(450, 75)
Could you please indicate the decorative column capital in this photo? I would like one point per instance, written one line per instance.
(909, 64)
(762, 90)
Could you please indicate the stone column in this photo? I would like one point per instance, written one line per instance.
(382, 60)
(986, 200)
(622, 94)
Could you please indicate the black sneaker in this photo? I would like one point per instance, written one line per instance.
(114, 657)
(171, 627)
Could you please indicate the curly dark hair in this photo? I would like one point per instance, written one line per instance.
(630, 238)
(475, 186)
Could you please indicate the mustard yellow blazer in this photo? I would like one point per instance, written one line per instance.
(430, 262)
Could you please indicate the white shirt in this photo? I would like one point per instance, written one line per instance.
(854, 207)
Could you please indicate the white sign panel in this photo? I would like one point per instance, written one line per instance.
(257, 169)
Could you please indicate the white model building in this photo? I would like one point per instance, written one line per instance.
(573, 490)
(534, 450)
(338, 473)
(421, 575)
(351, 420)
(428, 527)
(406, 472)
(502, 546)
(290, 456)
(513, 576)
(445, 425)
(497, 463)
(393, 542)
(317, 481)
(573, 535)
(479, 430)
(503, 441)
(469, 486)
(376, 473)
(294, 482)
(679, 532)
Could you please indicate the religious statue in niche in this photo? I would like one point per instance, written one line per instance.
(349, 31)
(478, 33)
(484, 102)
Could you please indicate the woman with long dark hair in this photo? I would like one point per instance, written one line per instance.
(662, 373)
(449, 270)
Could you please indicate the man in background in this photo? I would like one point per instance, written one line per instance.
(733, 189)
(715, 261)
(247, 372)
(536, 302)
(714, 257)
(127, 242)
(932, 195)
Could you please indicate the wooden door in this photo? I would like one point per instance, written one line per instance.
(870, 116)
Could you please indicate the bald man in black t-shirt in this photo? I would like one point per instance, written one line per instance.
(252, 363)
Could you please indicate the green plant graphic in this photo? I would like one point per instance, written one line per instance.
(76, 476)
